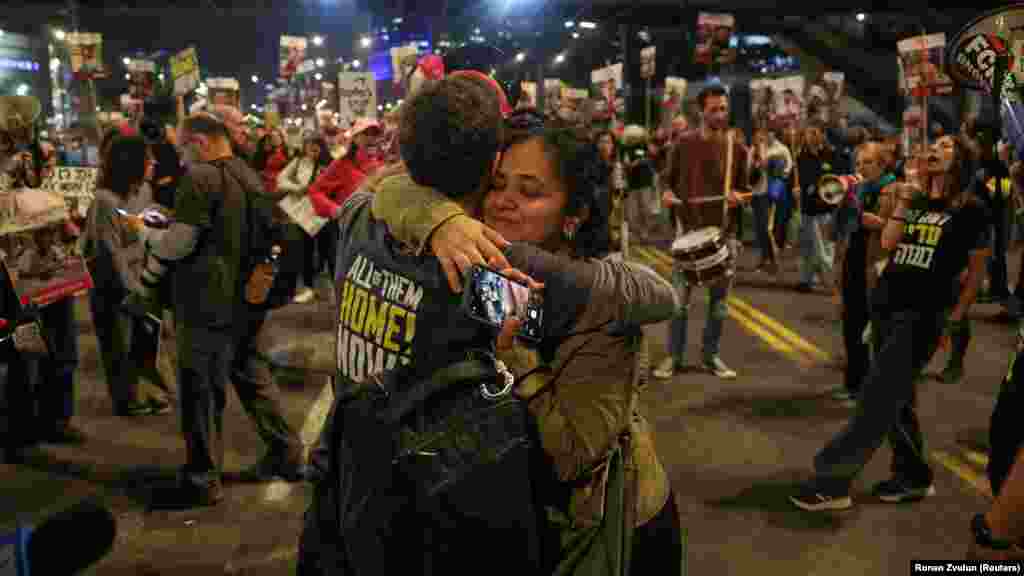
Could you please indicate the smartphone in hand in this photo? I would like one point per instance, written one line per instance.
(491, 297)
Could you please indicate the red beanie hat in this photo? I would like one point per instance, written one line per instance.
(502, 98)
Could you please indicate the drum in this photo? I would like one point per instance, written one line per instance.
(703, 255)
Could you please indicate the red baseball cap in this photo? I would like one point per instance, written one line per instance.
(502, 98)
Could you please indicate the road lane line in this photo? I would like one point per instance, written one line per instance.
(964, 472)
(781, 330)
(977, 458)
(279, 490)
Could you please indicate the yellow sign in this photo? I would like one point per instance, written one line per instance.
(185, 71)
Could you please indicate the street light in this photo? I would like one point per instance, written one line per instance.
(127, 76)
(559, 58)
(575, 35)
(255, 79)
(161, 76)
(569, 23)
(59, 34)
(320, 62)
(318, 76)
(126, 60)
(356, 63)
(366, 41)
(22, 90)
(861, 17)
(588, 25)
(318, 40)
(521, 56)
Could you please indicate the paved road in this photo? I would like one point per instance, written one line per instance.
(733, 450)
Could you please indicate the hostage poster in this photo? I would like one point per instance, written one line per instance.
(527, 96)
(777, 103)
(714, 36)
(44, 261)
(224, 91)
(293, 52)
(606, 84)
(823, 97)
(86, 54)
(921, 63)
(141, 77)
(185, 71)
(357, 97)
(76, 185)
(673, 98)
(552, 96)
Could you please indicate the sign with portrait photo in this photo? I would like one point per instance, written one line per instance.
(293, 52)
(357, 97)
(76, 185)
(86, 54)
(224, 91)
(141, 77)
(714, 36)
(921, 60)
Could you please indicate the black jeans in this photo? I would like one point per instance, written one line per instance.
(998, 278)
(856, 311)
(658, 544)
(904, 343)
(327, 245)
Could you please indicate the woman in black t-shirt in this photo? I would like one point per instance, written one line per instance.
(935, 231)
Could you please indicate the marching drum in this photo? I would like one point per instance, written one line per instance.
(703, 255)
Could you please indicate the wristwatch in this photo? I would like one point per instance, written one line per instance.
(983, 535)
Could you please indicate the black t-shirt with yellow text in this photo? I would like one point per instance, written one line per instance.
(933, 252)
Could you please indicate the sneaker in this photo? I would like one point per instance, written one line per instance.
(813, 498)
(841, 394)
(133, 409)
(666, 370)
(305, 295)
(158, 406)
(185, 495)
(715, 365)
(63, 434)
(897, 490)
(274, 465)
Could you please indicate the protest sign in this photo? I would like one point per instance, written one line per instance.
(714, 36)
(293, 52)
(76, 185)
(300, 210)
(185, 71)
(921, 65)
(224, 91)
(86, 54)
(141, 77)
(357, 97)
(647, 61)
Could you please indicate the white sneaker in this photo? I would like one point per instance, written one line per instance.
(666, 369)
(715, 365)
(304, 296)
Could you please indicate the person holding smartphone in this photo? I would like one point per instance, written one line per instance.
(581, 380)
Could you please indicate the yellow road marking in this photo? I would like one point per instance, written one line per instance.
(956, 466)
(977, 458)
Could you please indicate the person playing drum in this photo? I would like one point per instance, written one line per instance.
(696, 192)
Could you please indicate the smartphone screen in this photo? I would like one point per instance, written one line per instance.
(491, 298)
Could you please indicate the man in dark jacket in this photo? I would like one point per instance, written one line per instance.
(219, 211)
